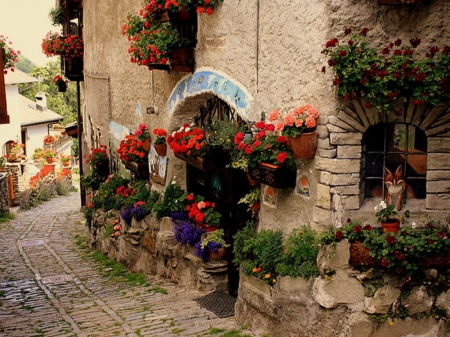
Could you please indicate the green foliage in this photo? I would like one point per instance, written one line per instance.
(300, 254)
(248, 232)
(109, 229)
(64, 104)
(385, 77)
(25, 64)
(107, 197)
(172, 200)
(221, 135)
(215, 236)
(56, 15)
(6, 216)
(263, 252)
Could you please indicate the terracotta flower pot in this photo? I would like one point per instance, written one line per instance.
(161, 149)
(66, 163)
(304, 146)
(218, 254)
(391, 226)
(50, 160)
(146, 144)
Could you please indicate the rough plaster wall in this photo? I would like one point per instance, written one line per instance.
(276, 56)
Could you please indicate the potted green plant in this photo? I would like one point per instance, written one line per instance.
(203, 212)
(10, 56)
(66, 159)
(60, 83)
(213, 246)
(383, 78)
(388, 217)
(37, 153)
(56, 16)
(252, 199)
(50, 155)
(160, 143)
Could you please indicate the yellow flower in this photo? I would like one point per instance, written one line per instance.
(274, 281)
(267, 276)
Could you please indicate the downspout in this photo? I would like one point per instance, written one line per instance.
(257, 46)
(80, 145)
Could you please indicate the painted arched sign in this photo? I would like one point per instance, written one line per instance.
(209, 81)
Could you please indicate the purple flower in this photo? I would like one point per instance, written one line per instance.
(178, 216)
(127, 214)
(186, 233)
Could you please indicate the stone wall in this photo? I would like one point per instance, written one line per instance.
(4, 192)
(340, 304)
(148, 246)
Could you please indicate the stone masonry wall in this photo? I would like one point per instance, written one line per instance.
(339, 305)
(148, 246)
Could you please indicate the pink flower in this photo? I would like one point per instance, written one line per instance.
(299, 122)
(274, 115)
(201, 205)
(289, 119)
(310, 122)
(142, 127)
(279, 126)
(138, 132)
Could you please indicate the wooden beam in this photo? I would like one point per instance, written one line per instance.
(4, 118)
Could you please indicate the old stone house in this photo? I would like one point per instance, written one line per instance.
(255, 56)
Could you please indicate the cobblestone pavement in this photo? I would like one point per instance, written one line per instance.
(48, 287)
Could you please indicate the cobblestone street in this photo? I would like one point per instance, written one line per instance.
(48, 287)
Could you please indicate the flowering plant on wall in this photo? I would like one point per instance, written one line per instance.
(188, 141)
(382, 77)
(54, 44)
(142, 132)
(300, 120)
(160, 136)
(131, 150)
(10, 56)
(265, 145)
(49, 139)
(97, 156)
(201, 210)
(150, 40)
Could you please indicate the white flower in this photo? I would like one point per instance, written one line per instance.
(414, 225)
(187, 129)
(383, 204)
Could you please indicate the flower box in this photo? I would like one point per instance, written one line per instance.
(359, 255)
(277, 177)
(72, 67)
(208, 162)
(139, 169)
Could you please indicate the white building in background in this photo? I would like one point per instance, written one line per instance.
(29, 120)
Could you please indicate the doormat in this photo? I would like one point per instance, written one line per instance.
(219, 303)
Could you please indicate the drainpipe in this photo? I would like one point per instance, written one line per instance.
(80, 146)
(257, 46)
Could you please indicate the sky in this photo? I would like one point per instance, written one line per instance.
(25, 23)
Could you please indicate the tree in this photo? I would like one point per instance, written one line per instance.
(64, 103)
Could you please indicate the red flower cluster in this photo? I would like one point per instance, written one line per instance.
(124, 191)
(188, 141)
(130, 150)
(266, 145)
(59, 80)
(49, 139)
(202, 211)
(36, 179)
(382, 77)
(54, 44)
(97, 156)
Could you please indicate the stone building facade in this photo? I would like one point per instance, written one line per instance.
(257, 56)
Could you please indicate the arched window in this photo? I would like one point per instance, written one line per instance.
(394, 152)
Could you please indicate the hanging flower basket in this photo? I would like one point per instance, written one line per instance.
(276, 176)
(161, 149)
(304, 145)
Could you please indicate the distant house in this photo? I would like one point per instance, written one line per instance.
(29, 120)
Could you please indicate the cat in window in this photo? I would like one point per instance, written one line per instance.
(396, 186)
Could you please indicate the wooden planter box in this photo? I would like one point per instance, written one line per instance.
(139, 169)
(274, 177)
(359, 255)
(72, 68)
